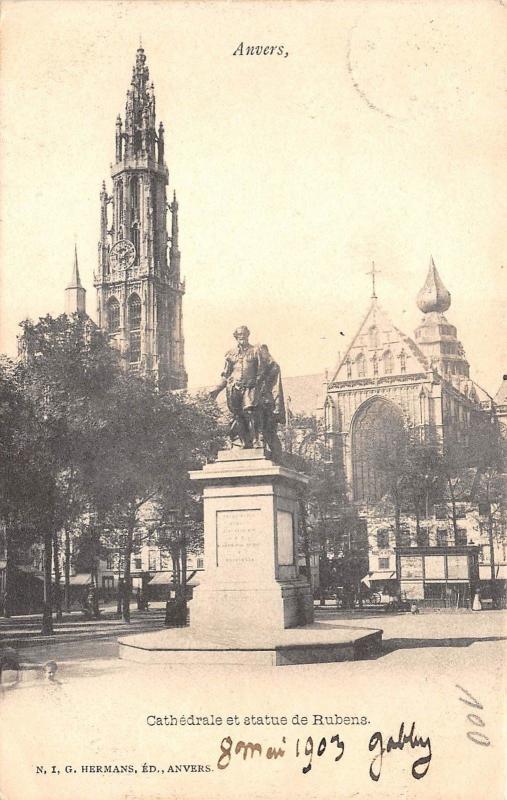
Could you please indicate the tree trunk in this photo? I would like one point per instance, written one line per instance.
(359, 592)
(119, 600)
(127, 580)
(417, 522)
(58, 597)
(397, 523)
(175, 558)
(47, 613)
(183, 551)
(453, 512)
(492, 554)
(322, 553)
(7, 599)
(306, 542)
(95, 568)
(67, 571)
(95, 583)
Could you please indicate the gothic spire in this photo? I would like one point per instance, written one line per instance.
(75, 282)
(433, 295)
(139, 133)
(75, 293)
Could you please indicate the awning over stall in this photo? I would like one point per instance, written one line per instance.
(383, 576)
(81, 579)
(165, 578)
(378, 576)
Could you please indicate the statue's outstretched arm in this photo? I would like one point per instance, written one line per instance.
(218, 388)
(223, 383)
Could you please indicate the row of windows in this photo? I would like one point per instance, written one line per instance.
(443, 538)
(134, 313)
(112, 562)
(387, 364)
(134, 196)
(441, 513)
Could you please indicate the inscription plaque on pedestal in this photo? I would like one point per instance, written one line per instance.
(285, 527)
(239, 540)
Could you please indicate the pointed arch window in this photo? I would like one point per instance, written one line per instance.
(349, 368)
(403, 361)
(361, 366)
(135, 239)
(135, 310)
(373, 336)
(328, 415)
(134, 196)
(378, 434)
(120, 201)
(134, 326)
(113, 315)
(374, 362)
(388, 362)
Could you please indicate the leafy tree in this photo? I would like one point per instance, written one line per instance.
(179, 505)
(422, 483)
(487, 450)
(148, 441)
(386, 454)
(408, 469)
(68, 367)
(455, 466)
(22, 473)
(325, 510)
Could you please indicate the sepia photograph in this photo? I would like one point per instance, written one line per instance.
(253, 400)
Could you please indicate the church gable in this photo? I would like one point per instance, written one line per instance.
(379, 348)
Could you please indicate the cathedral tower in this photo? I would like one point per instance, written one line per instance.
(139, 289)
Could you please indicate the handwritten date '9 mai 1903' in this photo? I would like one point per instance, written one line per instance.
(311, 749)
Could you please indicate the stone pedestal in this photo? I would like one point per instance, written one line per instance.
(251, 523)
(251, 606)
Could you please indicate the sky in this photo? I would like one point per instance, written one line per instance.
(381, 136)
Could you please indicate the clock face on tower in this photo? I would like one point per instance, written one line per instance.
(122, 255)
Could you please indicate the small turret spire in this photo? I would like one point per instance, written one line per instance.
(75, 282)
(174, 251)
(173, 208)
(75, 293)
(433, 295)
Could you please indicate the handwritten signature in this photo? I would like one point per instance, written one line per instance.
(379, 745)
(376, 745)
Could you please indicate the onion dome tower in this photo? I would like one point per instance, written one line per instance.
(435, 336)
